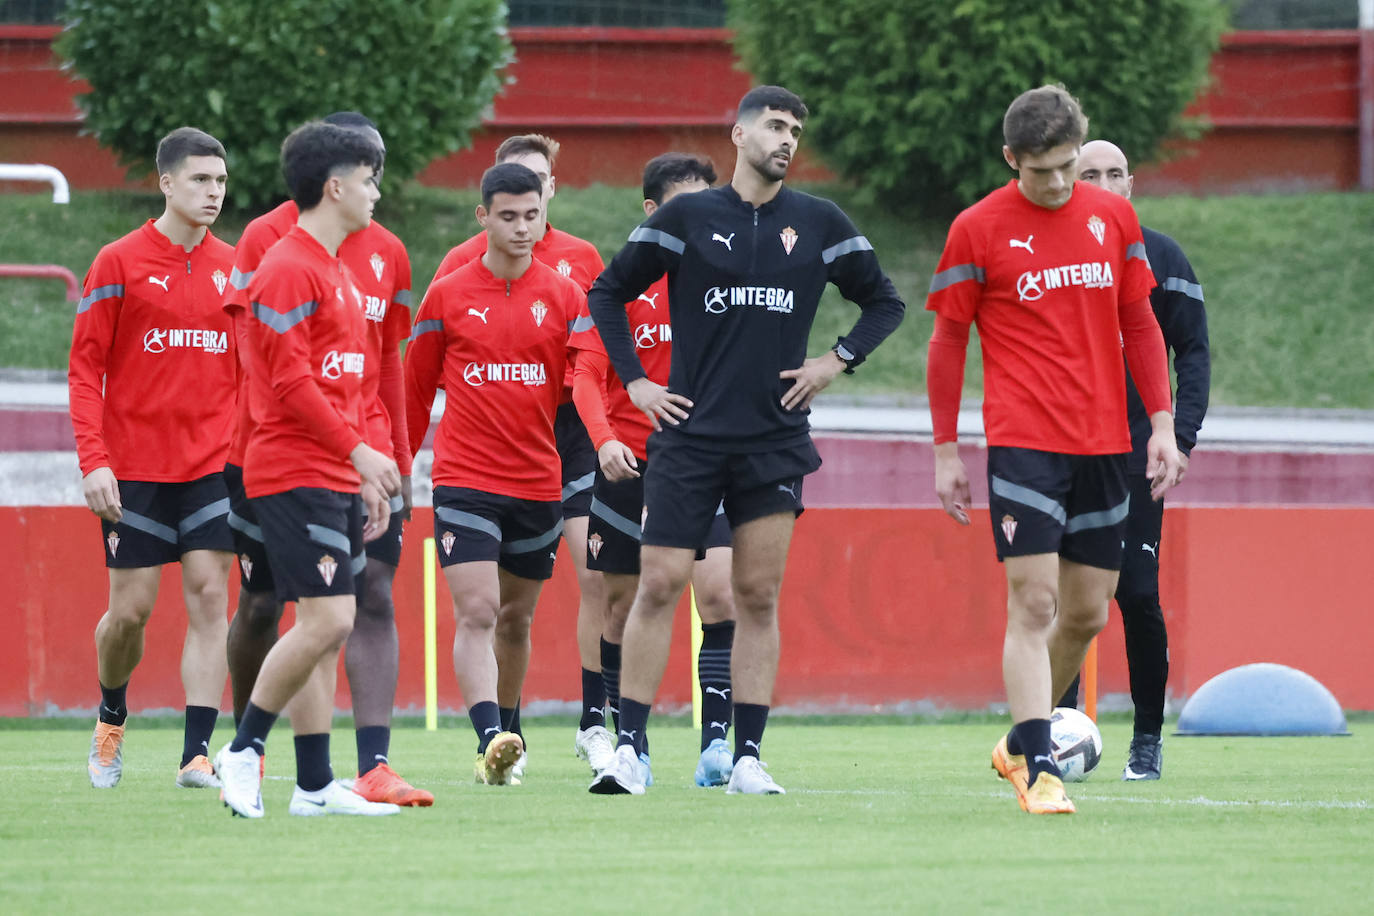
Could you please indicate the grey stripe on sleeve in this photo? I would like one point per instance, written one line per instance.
(1180, 285)
(658, 237)
(1137, 250)
(239, 279)
(97, 294)
(403, 297)
(281, 322)
(848, 246)
(425, 327)
(957, 274)
(583, 323)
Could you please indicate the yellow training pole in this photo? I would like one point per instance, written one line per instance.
(696, 651)
(431, 666)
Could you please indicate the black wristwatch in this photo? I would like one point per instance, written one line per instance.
(847, 356)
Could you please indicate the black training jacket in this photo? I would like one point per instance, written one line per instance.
(1178, 306)
(743, 286)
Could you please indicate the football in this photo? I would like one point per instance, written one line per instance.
(1077, 743)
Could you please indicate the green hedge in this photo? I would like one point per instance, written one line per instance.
(249, 71)
(907, 98)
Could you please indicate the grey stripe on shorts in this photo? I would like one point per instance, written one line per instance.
(1028, 497)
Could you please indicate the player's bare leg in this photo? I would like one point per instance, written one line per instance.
(119, 633)
(1083, 595)
(760, 557)
(252, 634)
(664, 572)
(322, 626)
(205, 587)
(518, 597)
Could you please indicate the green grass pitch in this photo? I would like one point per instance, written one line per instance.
(881, 815)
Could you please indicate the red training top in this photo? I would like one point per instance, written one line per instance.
(1052, 293)
(149, 329)
(380, 266)
(602, 401)
(500, 350)
(308, 336)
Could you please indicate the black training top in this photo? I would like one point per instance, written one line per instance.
(1177, 302)
(743, 286)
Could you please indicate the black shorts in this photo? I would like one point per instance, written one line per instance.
(315, 539)
(1047, 502)
(686, 483)
(1144, 525)
(520, 535)
(162, 521)
(613, 530)
(387, 548)
(579, 461)
(255, 572)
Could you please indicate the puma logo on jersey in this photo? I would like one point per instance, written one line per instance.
(482, 314)
(162, 283)
(717, 237)
(1152, 550)
(652, 300)
(1017, 243)
(724, 694)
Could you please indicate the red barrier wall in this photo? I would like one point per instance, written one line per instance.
(1283, 105)
(880, 607)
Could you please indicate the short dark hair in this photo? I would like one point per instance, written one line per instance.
(509, 178)
(352, 119)
(315, 152)
(521, 144)
(662, 172)
(775, 97)
(173, 149)
(1041, 119)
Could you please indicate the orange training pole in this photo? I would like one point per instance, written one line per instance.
(1090, 681)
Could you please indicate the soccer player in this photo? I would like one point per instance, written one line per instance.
(1054, 273)
(580, 262)
(494, 333)
(746, 265)
(619, 430)
(148, 328)
(308, 468)
(1178, 306)
(380, 267)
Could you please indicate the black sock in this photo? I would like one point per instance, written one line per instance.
(1013, 743)
(634, 721)
(1033, 735)
(610, 676)
(313, 772)
(750, 720)
(593, 700)
(1070, 698)
(713, 674)
(374, 743)
(253, 729)
(513, 725)
(200, 725)
(486, 721)
(113, 710)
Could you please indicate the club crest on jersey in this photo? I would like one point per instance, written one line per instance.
(1008, 528)
(539, 310)
(327, 567)
(246, 565)
(112, 541)
(1098, 229)
(563, 267)
(378, 266)
(789, 238)
(594, 545)
(220, 281)
(448, 540)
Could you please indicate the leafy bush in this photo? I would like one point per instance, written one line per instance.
(908, 97)
(249, 71)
